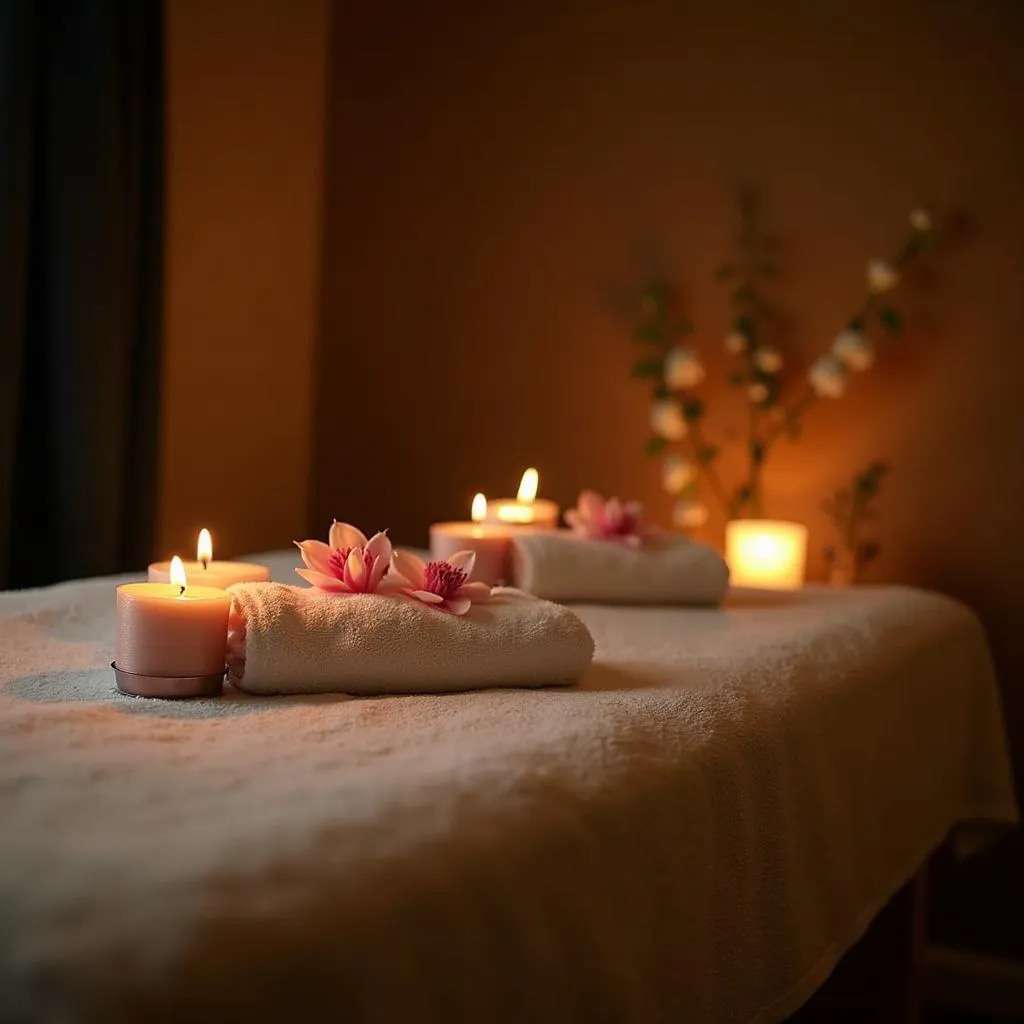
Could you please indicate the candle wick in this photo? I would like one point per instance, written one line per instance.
(181, 590)
(205, 564)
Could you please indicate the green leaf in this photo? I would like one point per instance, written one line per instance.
(868, 551)
(662, 392)
(650, 332)
(646, 368)
(757, 452)
(655, 298)
(725, 271)
(707, 454)
(655, 446)
(693, 409)
(739, 500)
(891, 320)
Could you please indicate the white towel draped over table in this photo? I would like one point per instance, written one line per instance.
(697, 832)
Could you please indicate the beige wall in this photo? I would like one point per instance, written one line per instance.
(502, 177)
(245, 107)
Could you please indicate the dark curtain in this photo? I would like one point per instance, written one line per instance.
(81, 165)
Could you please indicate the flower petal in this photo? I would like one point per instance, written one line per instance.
(613, 515)
(322, 582)
(379, 545)
(344, 535)
(376, 574)
(410, 566)
(478, 593)
(355, 573)
(458, 605)
(315, 553)
(464, 560)
(590, 505)
(426, 596)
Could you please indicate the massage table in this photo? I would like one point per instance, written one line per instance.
(696, 832)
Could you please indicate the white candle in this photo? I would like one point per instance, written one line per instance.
(171, 631)
(490, 542)
(766, 553)
(205, 572)
(525, 509)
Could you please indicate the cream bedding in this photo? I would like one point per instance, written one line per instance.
(695, 834)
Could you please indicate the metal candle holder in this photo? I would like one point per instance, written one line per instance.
(168, 687)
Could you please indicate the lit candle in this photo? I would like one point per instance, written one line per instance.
(171, 637)
(205, 572)
(766, 553)
(490, 541)
(526, 509)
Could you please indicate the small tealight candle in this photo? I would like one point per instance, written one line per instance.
(490, 542)
(205, 572)
(171, 637)
(766, 553)
(526, 509)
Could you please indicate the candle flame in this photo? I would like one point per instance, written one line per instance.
(479, 511)
(178, 577)
(528, 486)
(204, 549)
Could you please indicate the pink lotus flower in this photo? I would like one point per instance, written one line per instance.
(441, 584)
(597, 519)
(349, 564)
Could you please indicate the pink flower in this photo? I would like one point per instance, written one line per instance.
(597, 519)
(441, 584)
(349, 564)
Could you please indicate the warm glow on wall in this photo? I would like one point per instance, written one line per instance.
(766, 553)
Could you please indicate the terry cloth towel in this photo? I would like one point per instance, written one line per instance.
(560, 566)
(285, 639)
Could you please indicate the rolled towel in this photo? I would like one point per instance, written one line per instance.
(285, 639)
(666, 569)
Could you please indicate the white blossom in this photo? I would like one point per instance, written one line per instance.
(735, 343)
(757, 392)
(667, 420)
(683, 368)
(676, 472)
(827, 376)
(688, 514)
(852, 349)
(882, 277)
(768, 358)
(921, 220)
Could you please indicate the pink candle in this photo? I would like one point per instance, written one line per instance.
(490, 543)
(205, 572)
(171, 631)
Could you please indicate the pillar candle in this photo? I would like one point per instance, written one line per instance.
(490, 543)
(526, 509)
(170, 630)
(219, 574)
(205, 572)
(766, 553)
